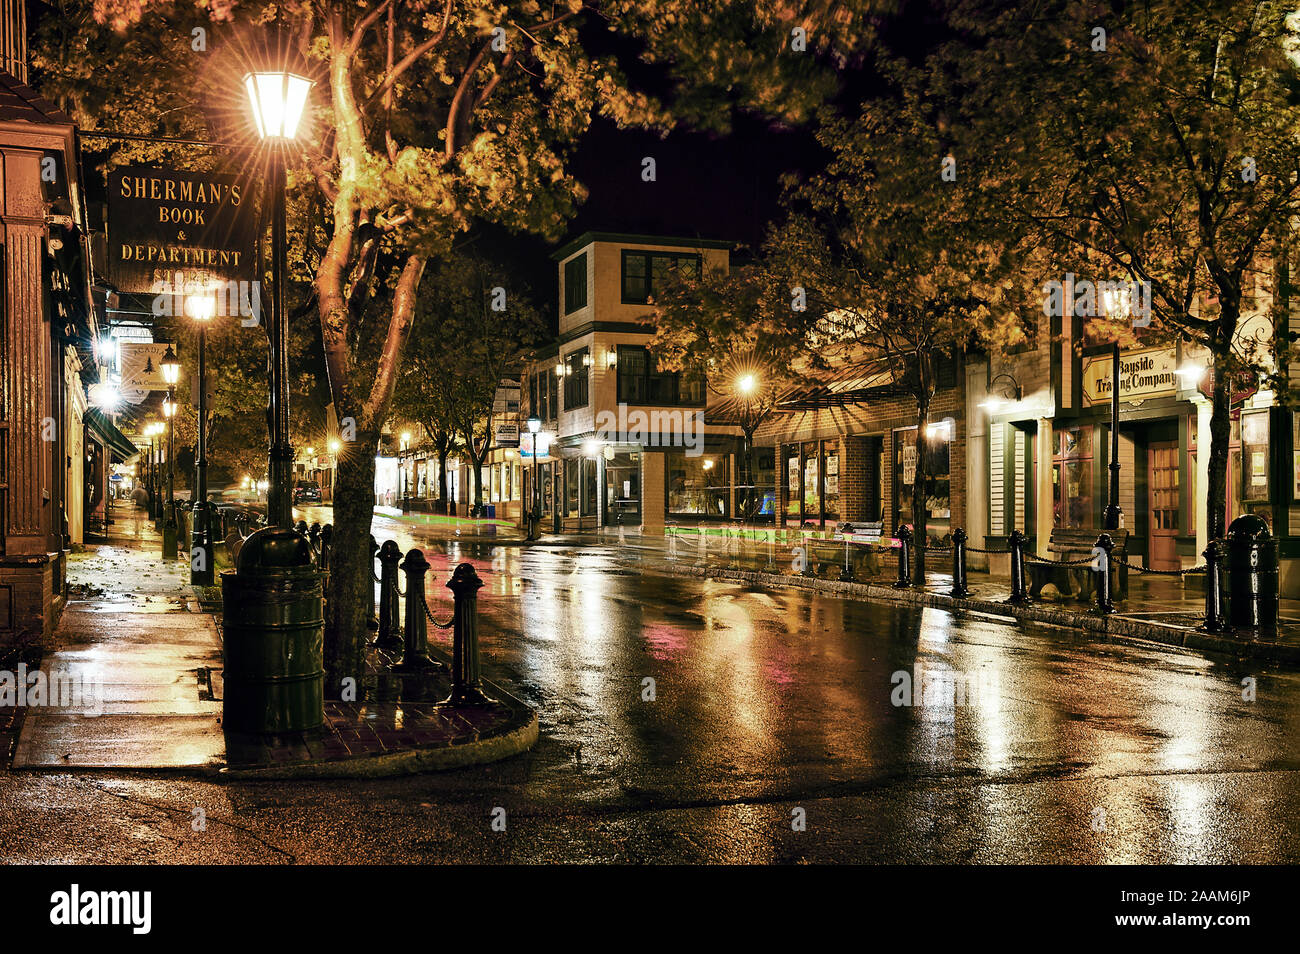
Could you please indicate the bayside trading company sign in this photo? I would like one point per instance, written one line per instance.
(162, 222)
(1142, 374)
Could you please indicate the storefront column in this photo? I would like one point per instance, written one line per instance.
(1045, 504)
(653, 499)
(1200, 507)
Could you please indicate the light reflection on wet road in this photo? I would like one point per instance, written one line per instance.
(765, 702)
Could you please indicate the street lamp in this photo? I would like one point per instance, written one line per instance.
(278, 99)
(746, 387)
(171, 370)
(535, 517)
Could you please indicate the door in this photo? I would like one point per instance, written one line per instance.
(1164, 505)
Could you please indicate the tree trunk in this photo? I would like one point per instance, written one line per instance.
(919, 513)
(442, 479)
(1220, 437)
(751, 491)
(351, 599)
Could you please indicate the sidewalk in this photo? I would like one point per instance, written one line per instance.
(1157, 609)
(135, 639)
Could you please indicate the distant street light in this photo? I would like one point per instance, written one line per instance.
(171, 369)
(277, 99)
(535, 512)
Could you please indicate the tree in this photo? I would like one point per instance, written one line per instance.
(426, 392)
(431, 115)
(1158, 139)
(889, 260)
(714, 326)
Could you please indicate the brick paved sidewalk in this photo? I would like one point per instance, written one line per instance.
(134, 632)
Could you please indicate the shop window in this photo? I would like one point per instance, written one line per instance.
(571, 487)
(936, 445)
(793, 480)
(831, 494)
(811, 487)
(1072, 477)
(697, 485)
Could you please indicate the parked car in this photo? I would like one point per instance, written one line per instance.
(306, 491)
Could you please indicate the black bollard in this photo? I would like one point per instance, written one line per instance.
(326, 540)
(465, 682)
(1019, 595)
(904, 580)
(1105, 544)
(314, 536)
(301, 527)
(1214, 618)
(1252, 576)
(415, 655)
(959, 587)
(390, 620)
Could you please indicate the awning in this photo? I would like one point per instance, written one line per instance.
(120, 449)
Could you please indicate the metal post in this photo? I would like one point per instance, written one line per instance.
(465, 681)
(169, 513)
(415, 654)
(301, 527)
(1105, 544)
(201, 556)
(846, 574)
(390, 620)
(1214, 616)
(1113, 512)
(279, 499)
(1017, 541)
(904, 580)
(326, 544)
(959, 587)
(313, 534)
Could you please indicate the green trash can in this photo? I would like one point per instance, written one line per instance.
(274, 631)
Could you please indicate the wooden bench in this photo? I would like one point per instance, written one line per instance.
(1079, 581)
(863, 540)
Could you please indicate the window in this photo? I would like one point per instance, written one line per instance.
(576, 366)
(697, 486)
(646, 272)
(1072, 478)
(575, 283)
(543, 394)
(936, 446)
(640, 383)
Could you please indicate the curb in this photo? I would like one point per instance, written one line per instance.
(1113, 629)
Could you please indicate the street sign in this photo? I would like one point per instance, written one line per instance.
(141, 369)
(167, 221)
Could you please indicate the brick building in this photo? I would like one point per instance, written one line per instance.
(847, 452)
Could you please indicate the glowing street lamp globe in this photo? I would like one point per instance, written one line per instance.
(746, 384)
(278, 99)
(171, 366)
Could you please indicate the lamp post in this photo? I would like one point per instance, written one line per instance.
(156, 430)
(171, 369)
(277, 99)
(201, 308)
(406, 481)
(1118, 305)
(746, 386)
(535, 511)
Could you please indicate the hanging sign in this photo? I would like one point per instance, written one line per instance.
(1142, 374)
(166, 222)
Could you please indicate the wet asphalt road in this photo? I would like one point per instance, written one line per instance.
(766, 707)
